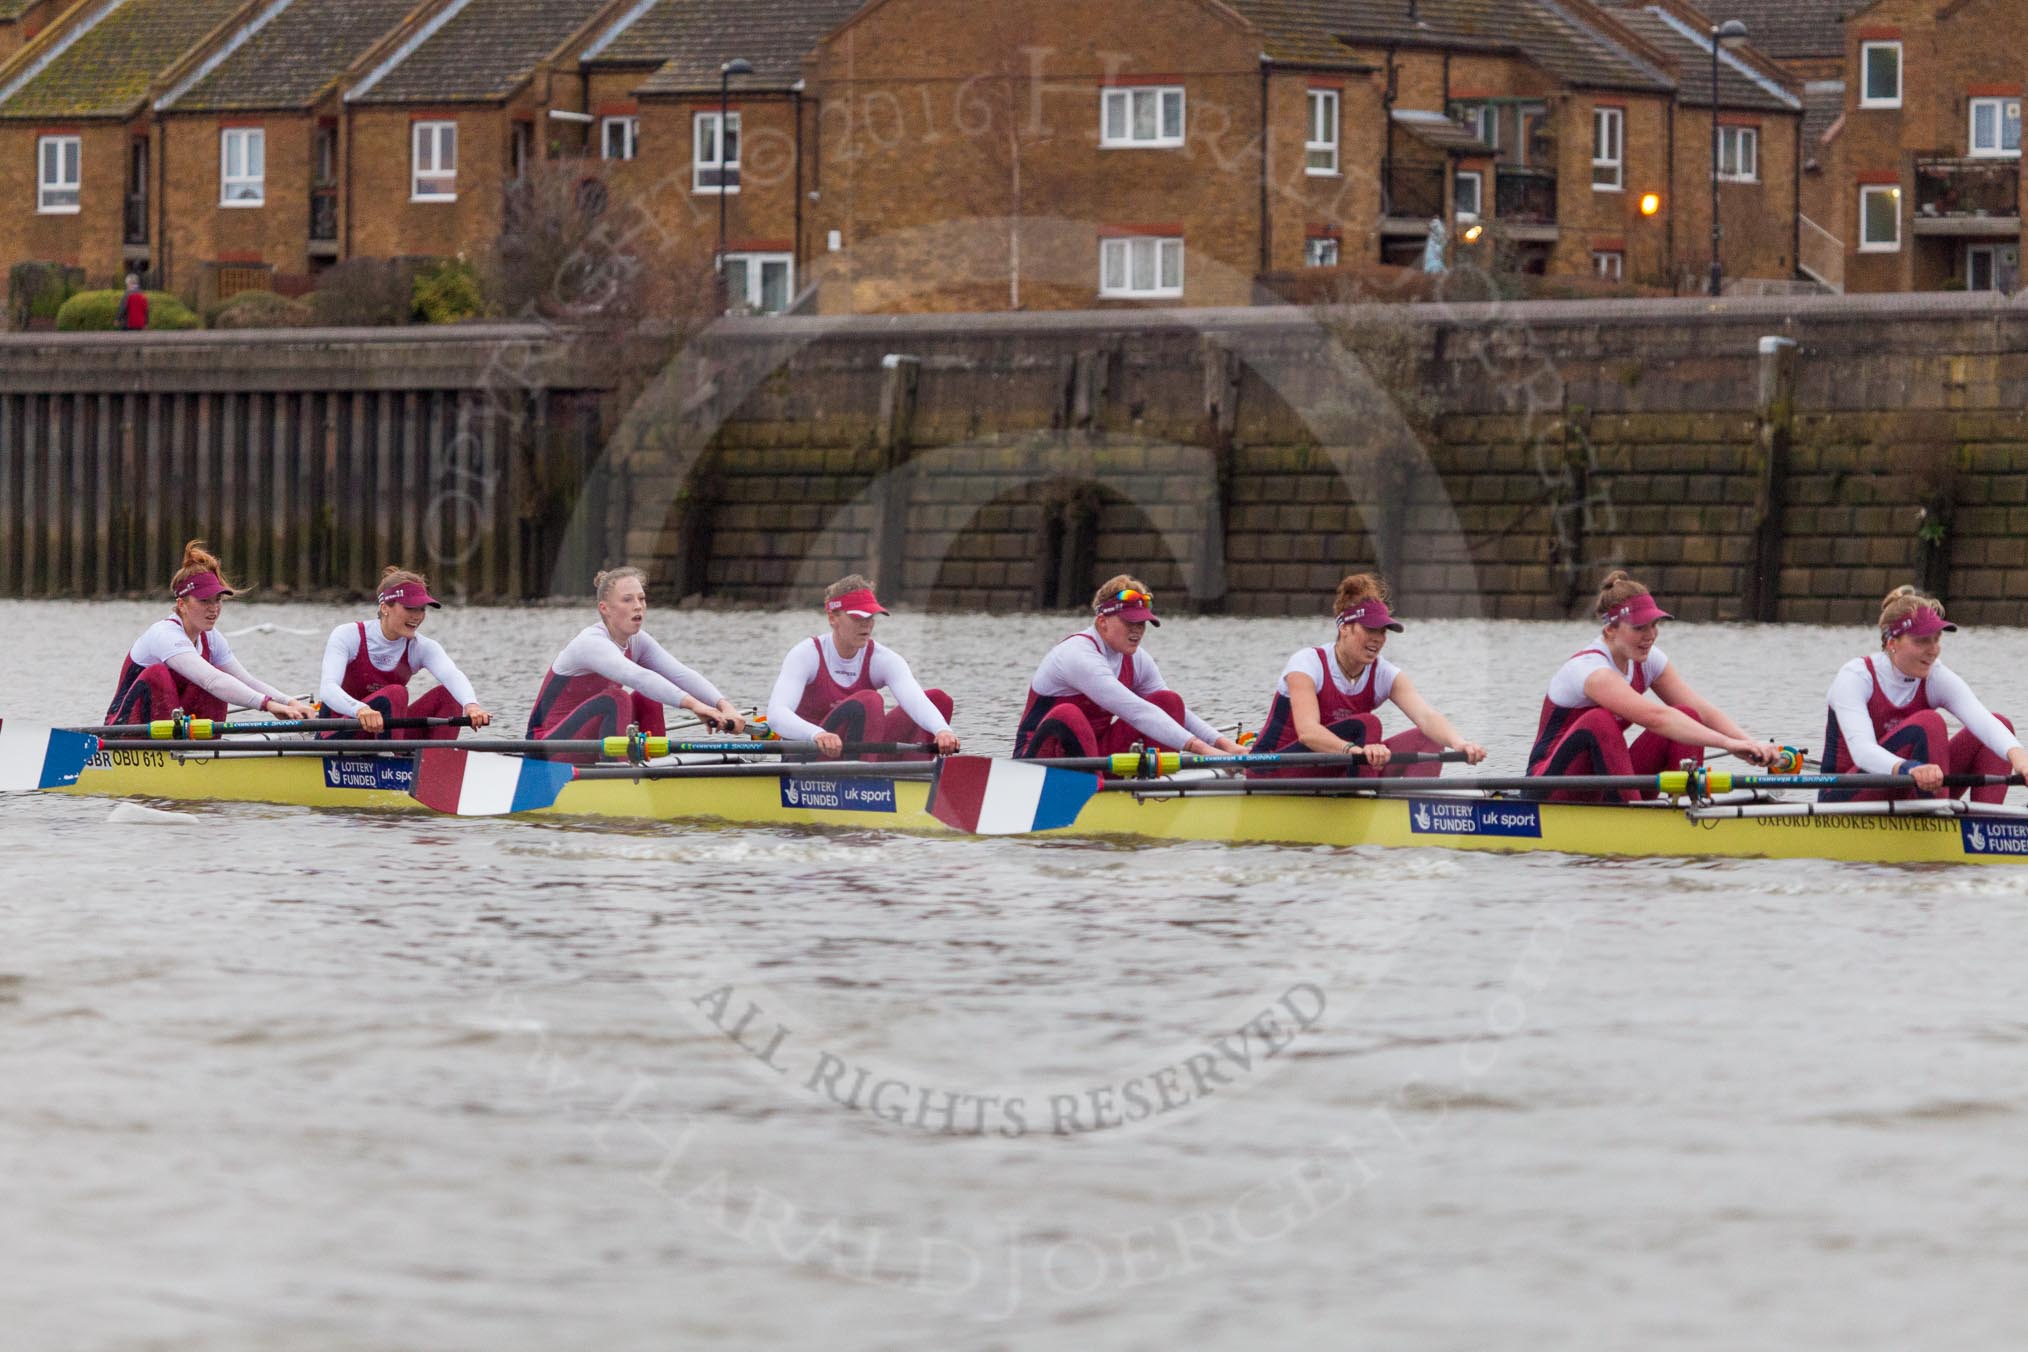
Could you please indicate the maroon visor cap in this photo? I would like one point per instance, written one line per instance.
(411, 594)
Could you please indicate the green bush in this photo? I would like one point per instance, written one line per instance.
(448, 292)
(364, 293)
(263, 310)
(92, 312)
(38, 290)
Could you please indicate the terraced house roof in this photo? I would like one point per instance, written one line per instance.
(1788, 29)
(1739, 84)
(775, 35)
(101, 60)
(475, 51)
(289, 56)
(1546, 33)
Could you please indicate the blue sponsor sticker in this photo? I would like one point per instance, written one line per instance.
(838, 795)
(1986, 836)
(1473, 817)
(395, 773)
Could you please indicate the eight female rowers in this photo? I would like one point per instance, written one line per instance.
(1327, 696)
(1884, 718)
(1097, 693)
(829, 688)
(1600, 690)
(614, 675)
(181, 663)
(367, 668)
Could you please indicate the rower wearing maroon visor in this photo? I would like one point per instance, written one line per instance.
(830, 689)
(368, 666)
(1327, 698)
(1097, 693)
(1885, 719)
(1602, 690)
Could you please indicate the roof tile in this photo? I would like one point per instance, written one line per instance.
(117, 54)
(775, 35)
(296, 56)
(483, 52)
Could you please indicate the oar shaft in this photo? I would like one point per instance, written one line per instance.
(799, 770)
(204, 729)
(1168, 762)
(611, 747)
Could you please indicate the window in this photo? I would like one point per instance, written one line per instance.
(1144, 266)
(242, 167)
(1610, 264)
(1880, 75)
(620, 137)
(1879, 219)
(1482, 118)
(520, 151)
(717, 156)
(1739, 154)
(1608, 133)
(435, 158)
(1993, 267)
(1320, 253)
(1996, 127)
(1321, 151)
(1470, 193)
(1147, 117)
(57, 175)
(761, 284)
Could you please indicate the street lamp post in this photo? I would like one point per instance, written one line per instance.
(1728, 34)
(739, 65)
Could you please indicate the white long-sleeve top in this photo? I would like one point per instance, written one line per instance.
(890, 673)
(1853, 688)
(643, 665)
(223, 676)
(1566, 687)
(425, 654)
(1083, 665)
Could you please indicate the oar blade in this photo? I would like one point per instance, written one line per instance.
(986, 797)
(476, 784)
(33, 757)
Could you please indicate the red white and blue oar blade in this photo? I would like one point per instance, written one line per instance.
(33, 757)
(486, 784)
(988, 797)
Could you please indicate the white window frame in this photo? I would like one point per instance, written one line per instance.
(728, 170)
(1117, 258)
(629, 129)
(1867, 98)
(1320, 150)
(440, 137)
(1478, 207)
(1998, 151)
(1609, 264)
(1317, 247)
(1608, 125)
(1483, 119)
(1992, 255)
(1126, 101)
(1739, 147)
(50, 186)
(1893, 191)
(754, 264)
(247, 139)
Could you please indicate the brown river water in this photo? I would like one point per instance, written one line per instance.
(291, 1080)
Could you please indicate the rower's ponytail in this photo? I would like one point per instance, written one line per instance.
(197, 559)
(1618, 588)
(603, 584)
(1902, 602)
(394, 575)
(1357, 588)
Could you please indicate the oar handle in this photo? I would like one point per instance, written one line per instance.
(205, 729)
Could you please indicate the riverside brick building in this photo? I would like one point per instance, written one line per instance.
(1931, 145)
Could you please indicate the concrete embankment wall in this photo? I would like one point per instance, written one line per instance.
(1492, 460)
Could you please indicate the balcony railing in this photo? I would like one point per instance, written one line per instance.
(1525, 197)
(1415, 192)
(324, 215)
(1947, 186)
(134, 224)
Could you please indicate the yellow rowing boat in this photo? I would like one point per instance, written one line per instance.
(1903, 833)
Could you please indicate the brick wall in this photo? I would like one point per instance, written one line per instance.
(88, 238)
(202, 231)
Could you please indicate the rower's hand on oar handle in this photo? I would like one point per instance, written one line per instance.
(1928, 778)
(478, 716)
(288, 708)
(1471, 751)
(1757, 753)
(1377, 755)
(371, 720)
(947, 743)
(829, 745)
